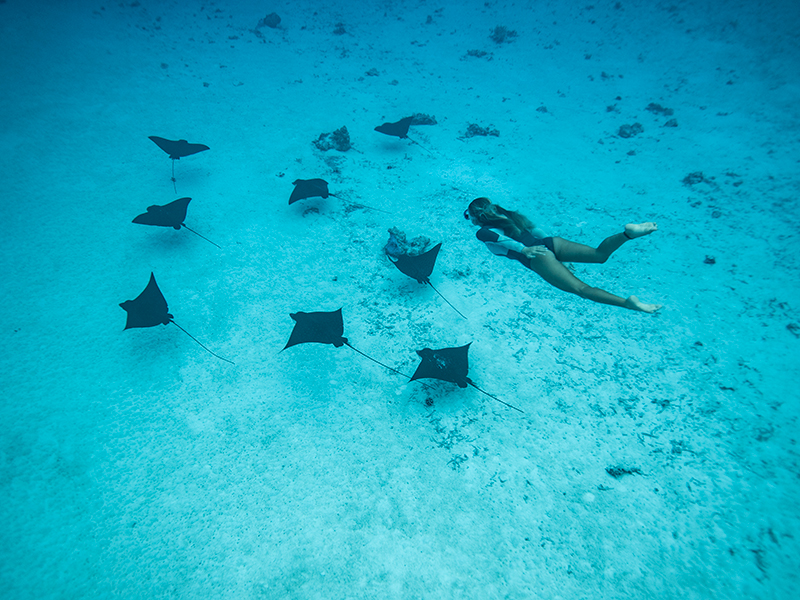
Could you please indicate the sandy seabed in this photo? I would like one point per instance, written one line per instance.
(135, 465)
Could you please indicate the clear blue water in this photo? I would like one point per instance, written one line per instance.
(133, 464)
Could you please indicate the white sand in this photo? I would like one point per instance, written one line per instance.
(136, 465)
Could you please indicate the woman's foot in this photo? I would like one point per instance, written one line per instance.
(635, 230)
(635, 304)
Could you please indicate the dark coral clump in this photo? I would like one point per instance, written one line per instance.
(398, 245)
(338, 140)
(617, 472)
(657, 109)
(476, 130)
(479, 54)
(502, 34)
(694, 178)
(423, 119)
(628, 131)
(272, 20)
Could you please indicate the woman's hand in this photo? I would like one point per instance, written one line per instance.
(534, 251)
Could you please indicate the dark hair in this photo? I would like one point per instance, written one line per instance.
(493, 215)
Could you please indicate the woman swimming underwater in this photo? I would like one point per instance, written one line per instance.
(544, 255)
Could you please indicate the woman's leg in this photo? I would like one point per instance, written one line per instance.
(567, 251)
(557, 275)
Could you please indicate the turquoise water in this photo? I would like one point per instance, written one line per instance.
(136, 465)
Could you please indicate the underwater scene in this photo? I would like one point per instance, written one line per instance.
(409, 300)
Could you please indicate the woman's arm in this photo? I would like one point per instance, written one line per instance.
(498, 244)
(504, 246)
